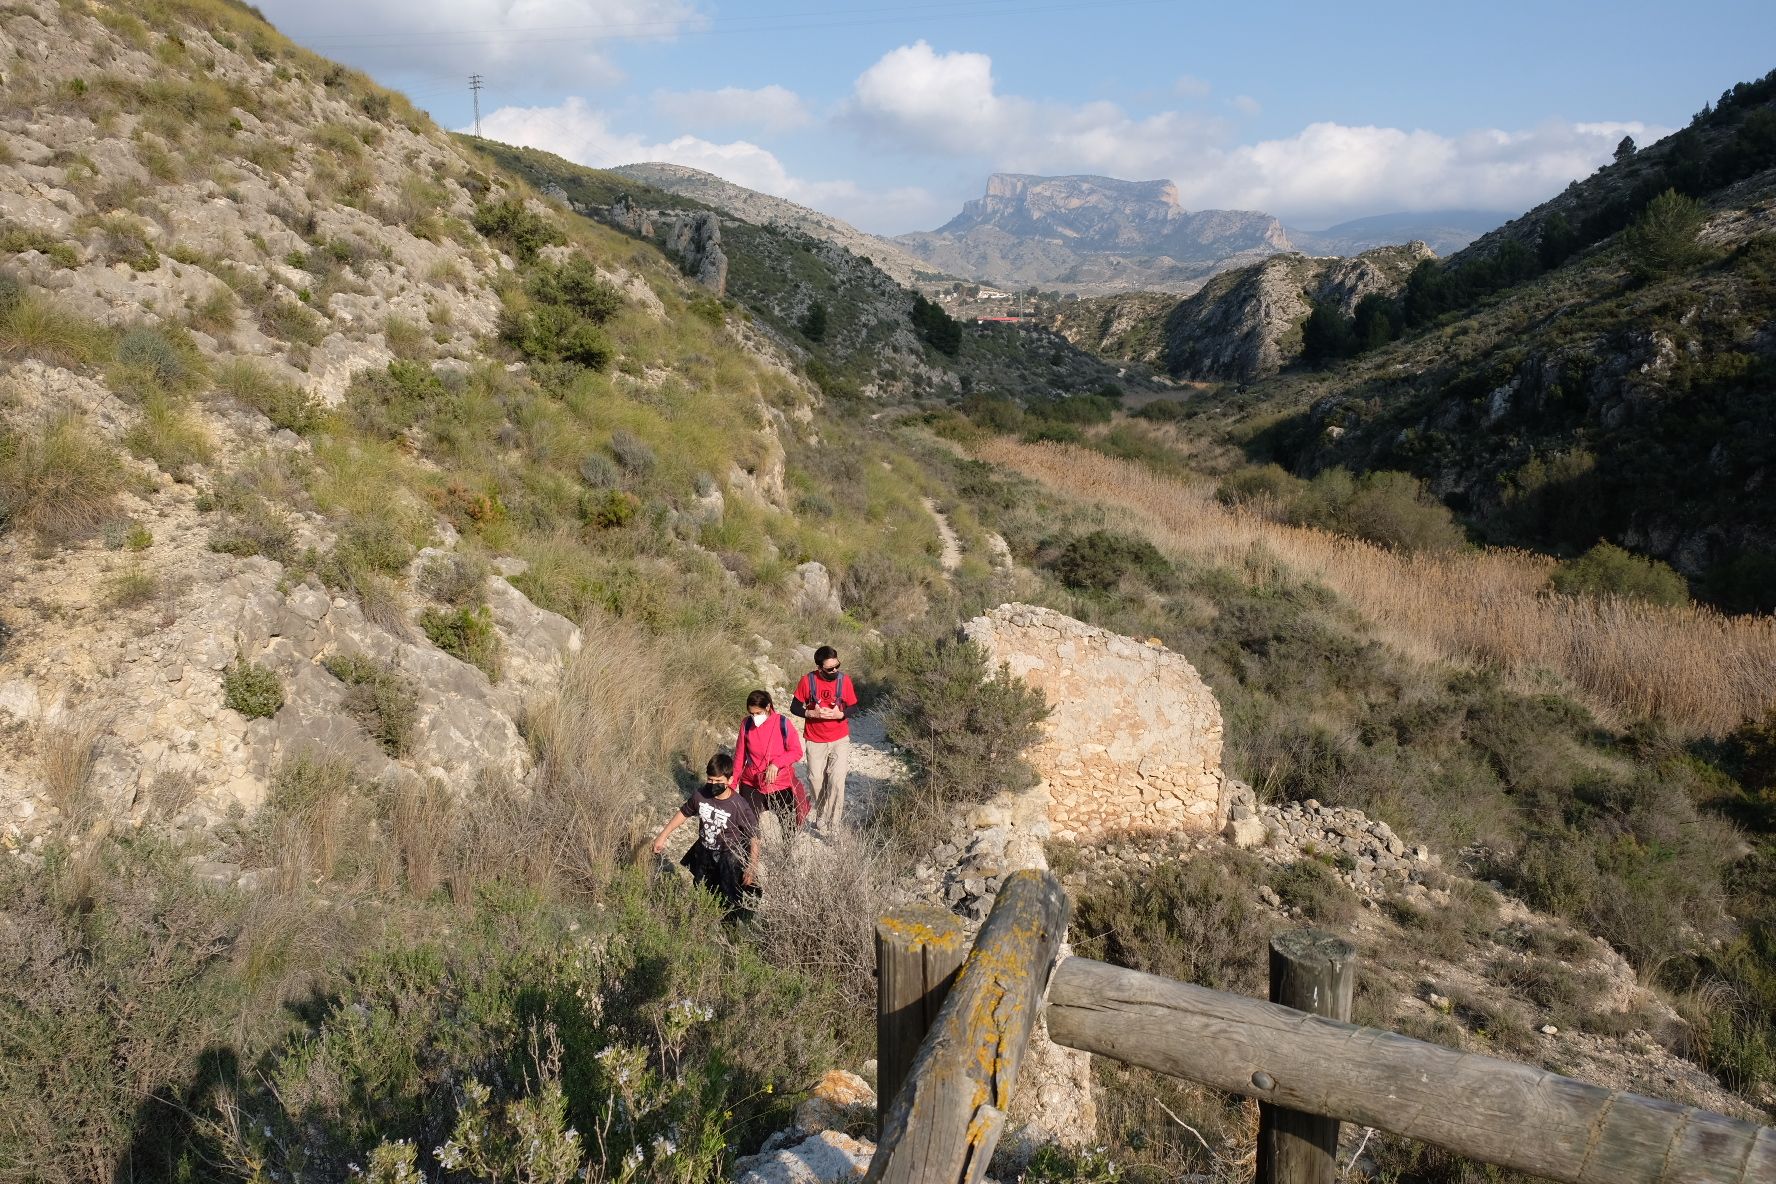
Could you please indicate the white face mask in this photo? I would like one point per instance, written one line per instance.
(758, 717)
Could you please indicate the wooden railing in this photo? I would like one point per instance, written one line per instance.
(944, 1102)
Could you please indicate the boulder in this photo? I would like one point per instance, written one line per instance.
(826, 1158)
(814, 591)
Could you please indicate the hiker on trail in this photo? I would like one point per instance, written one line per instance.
(765, 757)
(725, 854)
(823, 698)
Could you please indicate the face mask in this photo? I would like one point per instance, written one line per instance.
(758, 717)
(830, 672)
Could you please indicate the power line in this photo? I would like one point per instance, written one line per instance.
(475, 89)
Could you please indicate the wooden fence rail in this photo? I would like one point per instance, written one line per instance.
(941, 1124)
(1495, 1111)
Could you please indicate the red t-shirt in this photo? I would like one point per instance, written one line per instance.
(827, 692)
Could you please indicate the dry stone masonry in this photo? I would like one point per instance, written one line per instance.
(1133, 738)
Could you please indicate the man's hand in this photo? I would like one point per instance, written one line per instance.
(659, 846)
(746, 878)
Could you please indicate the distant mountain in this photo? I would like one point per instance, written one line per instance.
(762, 209)
(1444, 231)
(1093, 235)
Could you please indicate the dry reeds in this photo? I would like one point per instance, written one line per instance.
(1699, 671)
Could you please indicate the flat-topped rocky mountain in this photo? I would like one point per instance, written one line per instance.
(1093, 235)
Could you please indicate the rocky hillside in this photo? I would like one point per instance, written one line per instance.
(1599, 368)
(1242, 325)
(866, 342)
(1092, 235)
(283, 456)
(762, 209)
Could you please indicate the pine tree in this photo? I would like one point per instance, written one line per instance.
(814, 323)
(1625, 149)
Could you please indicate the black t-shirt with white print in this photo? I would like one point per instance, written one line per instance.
(726, 825)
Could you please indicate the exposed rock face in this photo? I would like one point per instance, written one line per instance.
(696, 242)
(1093, 234)
(1133, 741)
(1242, 325)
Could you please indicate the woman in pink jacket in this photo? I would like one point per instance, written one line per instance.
(765, 757)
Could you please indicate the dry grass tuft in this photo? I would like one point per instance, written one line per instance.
(59, 482)
(819, 907)
(1700, 671)
(67, 754)
(627, 702)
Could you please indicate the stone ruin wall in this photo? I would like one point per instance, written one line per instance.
(1133, 739)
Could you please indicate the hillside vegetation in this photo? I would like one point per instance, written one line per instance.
(859, 333)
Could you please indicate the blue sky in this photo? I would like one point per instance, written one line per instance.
(893, 115)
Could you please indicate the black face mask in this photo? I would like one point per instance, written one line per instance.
(833, 673)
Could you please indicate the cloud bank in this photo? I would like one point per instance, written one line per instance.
(930, 104)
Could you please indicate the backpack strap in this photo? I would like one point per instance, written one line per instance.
(783, 726)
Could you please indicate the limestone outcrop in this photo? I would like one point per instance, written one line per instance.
(1133, 738)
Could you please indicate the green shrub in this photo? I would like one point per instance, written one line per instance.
(121, 998)
(383, 700)
(1607, 570)
(1101, 560)
(389, 402)
(508, 222)
(555, 333)
(251, 689)
(1194, 921)
(576, 285)
(1311, 886)
(1389, 508)
(59, 483)
(1663, 238)
(608, 509)
(1267, 486)
(467, 634)
(962, 726)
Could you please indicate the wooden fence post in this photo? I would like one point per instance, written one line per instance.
(919, 948)
(942, 1127)
(1315, 972)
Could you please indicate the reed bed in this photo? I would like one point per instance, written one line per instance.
(1699, 671)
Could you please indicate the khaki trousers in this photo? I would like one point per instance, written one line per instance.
(826, 779)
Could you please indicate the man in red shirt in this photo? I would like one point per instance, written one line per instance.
(824, 698)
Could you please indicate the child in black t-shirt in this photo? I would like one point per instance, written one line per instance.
(726, 851)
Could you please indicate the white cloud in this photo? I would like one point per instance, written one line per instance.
(947, 104)
(1246, 104)
(1332, 170)
(514, 43)
(580, 133)
(773, 108)
(1189, 86)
